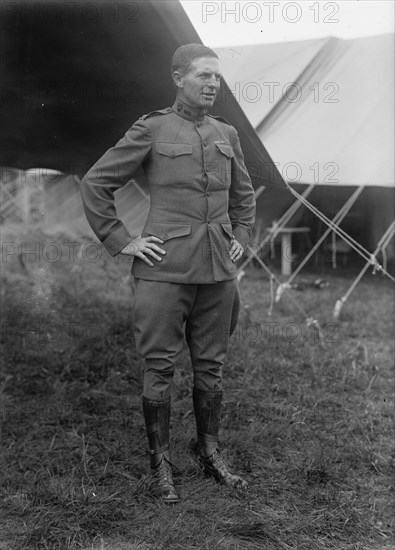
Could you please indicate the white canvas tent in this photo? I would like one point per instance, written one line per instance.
(324, 109)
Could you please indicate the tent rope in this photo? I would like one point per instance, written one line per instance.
(274, 278)
(260, 190)
(383, 248)
(262, 264)
(354, 244)
(349, 240)
(389, 233)
(338, 218)
(310, 321)
(384, 254)
(277, 226)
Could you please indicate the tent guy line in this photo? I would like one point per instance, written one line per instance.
(276, 227)
(368, 256)
(336, 220)
(388, 235)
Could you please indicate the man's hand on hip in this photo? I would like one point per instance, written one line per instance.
(143, 247)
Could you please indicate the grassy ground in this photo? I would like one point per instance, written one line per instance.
(308, 420)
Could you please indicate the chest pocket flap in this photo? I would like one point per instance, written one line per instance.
(225, 149)
(173, 150)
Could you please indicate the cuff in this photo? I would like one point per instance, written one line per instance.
(241, 235)
(117, 241)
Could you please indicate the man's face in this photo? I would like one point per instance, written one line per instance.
(200, 85)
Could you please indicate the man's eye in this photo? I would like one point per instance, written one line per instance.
(209, 77)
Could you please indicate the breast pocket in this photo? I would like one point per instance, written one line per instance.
(173, 163)
(225, 154)
(173, 150)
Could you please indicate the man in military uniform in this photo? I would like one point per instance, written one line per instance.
(201, 216)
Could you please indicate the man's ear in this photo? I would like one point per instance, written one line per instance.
(177, 79)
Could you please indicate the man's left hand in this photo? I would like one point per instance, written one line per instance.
(236, 250)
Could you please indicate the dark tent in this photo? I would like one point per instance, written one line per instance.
(77, 75)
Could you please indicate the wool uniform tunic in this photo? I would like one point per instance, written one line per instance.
(200, 194)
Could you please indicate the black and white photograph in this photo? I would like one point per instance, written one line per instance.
(197, 227)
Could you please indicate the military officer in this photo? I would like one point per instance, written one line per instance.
(202, 210)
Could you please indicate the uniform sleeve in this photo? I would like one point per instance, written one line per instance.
(111, 172)
(241, 196)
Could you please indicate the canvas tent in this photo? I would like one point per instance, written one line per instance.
(324, 109)
(75, 78)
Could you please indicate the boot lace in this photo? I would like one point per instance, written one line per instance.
(162, 473)
(216, 466)
(218, 463)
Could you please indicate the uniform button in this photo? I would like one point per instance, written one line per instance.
(198, 124)
(207, 194)
(205, 144)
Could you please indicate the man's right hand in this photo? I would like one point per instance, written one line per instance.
(142, 247)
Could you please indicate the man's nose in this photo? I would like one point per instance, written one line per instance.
(213, 83)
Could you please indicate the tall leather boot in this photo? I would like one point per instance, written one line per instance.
(157, 420)
(207, 406)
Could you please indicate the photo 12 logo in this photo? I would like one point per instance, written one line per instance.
(257, 12)
(271, 92)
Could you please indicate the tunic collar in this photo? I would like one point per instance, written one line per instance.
(189, 113)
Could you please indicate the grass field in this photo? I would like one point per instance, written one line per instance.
(307, 418)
